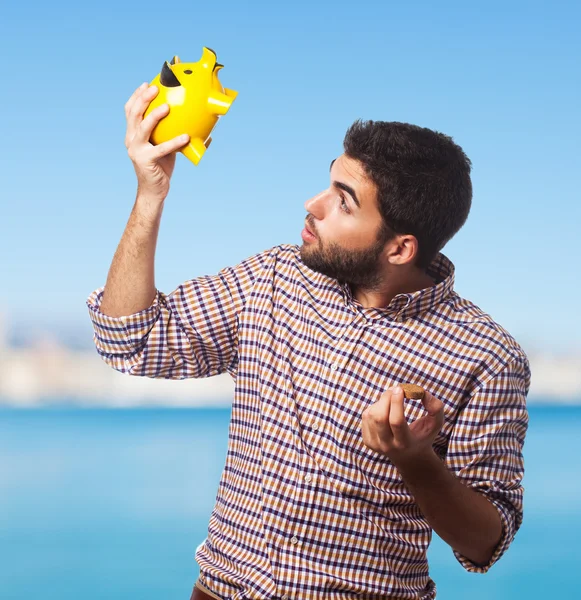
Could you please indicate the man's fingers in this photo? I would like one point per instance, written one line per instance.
(136, 93)
(171, 146)
(382, 406)
(432, 404)
(148, 124)
(397, 420)
(132, 123)
(136, 111)
(396, 412)
(378, 414)
(141, 102)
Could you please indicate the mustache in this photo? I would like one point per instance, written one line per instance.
(311, 224)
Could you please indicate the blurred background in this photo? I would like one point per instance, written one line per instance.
(107, 481)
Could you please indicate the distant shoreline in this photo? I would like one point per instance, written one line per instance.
(536, 404)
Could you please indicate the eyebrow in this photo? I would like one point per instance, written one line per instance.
(345, 187)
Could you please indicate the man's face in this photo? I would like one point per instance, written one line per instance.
(344, 235)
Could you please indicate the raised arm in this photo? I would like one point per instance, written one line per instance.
(130, 285)
(192, 332)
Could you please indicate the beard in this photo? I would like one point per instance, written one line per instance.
(359, 268)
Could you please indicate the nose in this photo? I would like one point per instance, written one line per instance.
(316, 205)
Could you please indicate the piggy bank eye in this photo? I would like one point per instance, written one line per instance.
(188, 72)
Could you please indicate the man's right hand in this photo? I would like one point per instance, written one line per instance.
(153, 165)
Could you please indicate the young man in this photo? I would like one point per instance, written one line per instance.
(334, 481)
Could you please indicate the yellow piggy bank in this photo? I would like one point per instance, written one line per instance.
(196, 101)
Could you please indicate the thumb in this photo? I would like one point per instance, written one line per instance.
(432, 404)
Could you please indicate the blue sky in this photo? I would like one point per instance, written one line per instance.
(502, 78)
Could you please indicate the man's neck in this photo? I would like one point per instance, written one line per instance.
(381, 296)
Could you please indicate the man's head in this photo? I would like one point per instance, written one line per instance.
(398, 194)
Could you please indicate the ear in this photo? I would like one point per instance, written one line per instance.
(402, 249)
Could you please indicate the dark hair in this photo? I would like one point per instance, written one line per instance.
(422, 178)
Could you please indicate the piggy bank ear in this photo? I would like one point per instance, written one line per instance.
(167, 77)
(175, 60)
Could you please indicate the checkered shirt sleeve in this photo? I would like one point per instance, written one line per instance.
(189, 333)
(485, 450)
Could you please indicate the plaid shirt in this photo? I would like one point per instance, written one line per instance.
(304, 509)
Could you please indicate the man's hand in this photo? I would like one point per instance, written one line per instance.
(386, 430)
(153, 165)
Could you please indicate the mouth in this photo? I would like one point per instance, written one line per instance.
(307, 234)
(309, 227)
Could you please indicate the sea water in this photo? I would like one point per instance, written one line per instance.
(111, 504)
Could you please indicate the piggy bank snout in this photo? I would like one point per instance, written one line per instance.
(167, 77)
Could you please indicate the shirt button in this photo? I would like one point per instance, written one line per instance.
(285, 597)
(308, 478)
(315, 426)
(294, 540)
(333, 366)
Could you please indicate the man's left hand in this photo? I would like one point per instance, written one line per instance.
(386, 430)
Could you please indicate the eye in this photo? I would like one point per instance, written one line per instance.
(343, 204)
(188, 71)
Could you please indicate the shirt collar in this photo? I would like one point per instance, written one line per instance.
(405, 306)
